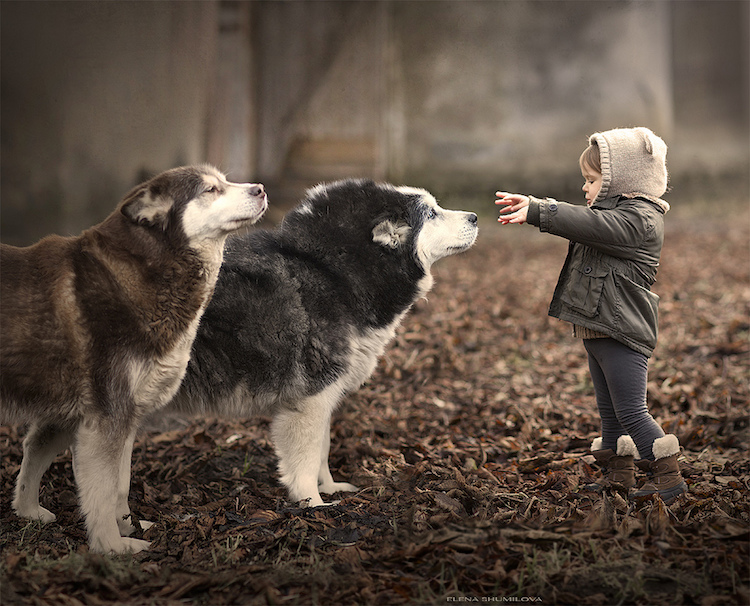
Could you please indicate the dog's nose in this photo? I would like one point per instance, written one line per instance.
(256, 190)
(472, 218)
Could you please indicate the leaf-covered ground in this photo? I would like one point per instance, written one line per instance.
(469, 444)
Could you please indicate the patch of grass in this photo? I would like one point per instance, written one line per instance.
(120, 570)
(247, 464)
(30, 533)
(226, 551)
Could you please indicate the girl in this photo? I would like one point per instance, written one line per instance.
(604, 291)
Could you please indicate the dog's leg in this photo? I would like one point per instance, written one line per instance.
(40, 447)
(99, 454)
(298, 439)
(325, 479)
(122, 513)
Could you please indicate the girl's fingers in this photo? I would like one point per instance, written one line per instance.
(506, 198)
(511, 208)
(503, 195)
(517, 217)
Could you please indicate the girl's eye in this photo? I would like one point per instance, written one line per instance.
(212, 190)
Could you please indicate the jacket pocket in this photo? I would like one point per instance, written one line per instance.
(637, 311)
(583, 291)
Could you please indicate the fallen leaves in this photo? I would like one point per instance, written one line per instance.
(470, 444)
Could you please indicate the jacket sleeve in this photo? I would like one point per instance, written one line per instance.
(619, 231)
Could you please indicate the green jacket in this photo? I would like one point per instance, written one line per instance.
(605, 283)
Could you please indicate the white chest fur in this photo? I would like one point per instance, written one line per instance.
(153, 382)
(365, 349)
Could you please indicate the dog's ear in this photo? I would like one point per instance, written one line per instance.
(141, 207)
(390, 234)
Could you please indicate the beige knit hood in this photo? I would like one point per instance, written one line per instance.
(634, 162)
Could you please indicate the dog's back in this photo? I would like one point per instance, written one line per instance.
(40, 328)
(272, 334)
(83, 308)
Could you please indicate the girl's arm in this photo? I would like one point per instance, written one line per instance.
(618, 232)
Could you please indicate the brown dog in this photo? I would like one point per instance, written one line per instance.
(97, 329)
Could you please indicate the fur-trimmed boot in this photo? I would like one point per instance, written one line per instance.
(664, 472)
(619, 465)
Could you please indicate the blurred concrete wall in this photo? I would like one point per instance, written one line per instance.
(458, 96)
(92, 94)
(507, 92)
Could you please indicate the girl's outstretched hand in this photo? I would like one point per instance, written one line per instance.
(516, 207)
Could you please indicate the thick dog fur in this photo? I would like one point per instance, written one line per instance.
(301, 313)
(96, 333)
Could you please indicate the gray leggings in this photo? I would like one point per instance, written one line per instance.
(619, 375)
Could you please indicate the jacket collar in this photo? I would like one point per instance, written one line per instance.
(613, 202)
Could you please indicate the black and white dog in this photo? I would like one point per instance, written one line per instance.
(301, 314)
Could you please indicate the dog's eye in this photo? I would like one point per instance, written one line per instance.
(212, 189)
(431, 214)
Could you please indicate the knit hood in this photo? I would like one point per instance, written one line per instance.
(634, 163)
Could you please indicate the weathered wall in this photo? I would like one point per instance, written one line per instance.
(463, 96)
(711, 87)
(507, 92)
(92, 94)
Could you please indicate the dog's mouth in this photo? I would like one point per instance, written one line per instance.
(252, 216)
(465, 245)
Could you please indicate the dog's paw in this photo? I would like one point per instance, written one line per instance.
(134, 545)
(333, 487)
(315, 501)
(126, 528)
(45, 516)
(123, 545)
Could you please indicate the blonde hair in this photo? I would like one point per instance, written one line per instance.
(590, 158)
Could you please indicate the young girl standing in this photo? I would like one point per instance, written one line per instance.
(604, 291)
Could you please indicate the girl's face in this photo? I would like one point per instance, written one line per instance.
(592, 185)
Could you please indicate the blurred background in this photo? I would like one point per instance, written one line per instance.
(459, 97)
